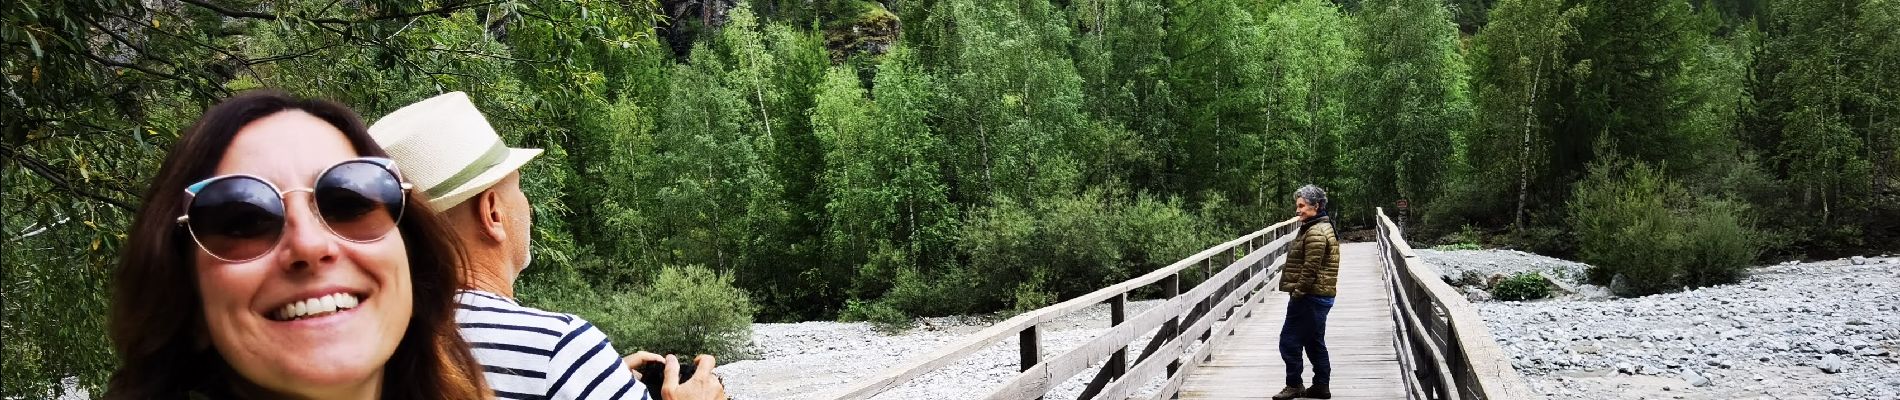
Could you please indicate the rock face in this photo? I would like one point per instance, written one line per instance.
(1826, 330)
(870, 29)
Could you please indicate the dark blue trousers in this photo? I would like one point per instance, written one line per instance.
(1305, 329)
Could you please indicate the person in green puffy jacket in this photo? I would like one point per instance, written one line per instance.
(1311, 277)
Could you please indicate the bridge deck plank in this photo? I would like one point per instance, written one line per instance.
(1359, 335)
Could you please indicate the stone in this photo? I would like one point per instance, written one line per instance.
(1830, 364)
(1858, 260)
(1695, 379)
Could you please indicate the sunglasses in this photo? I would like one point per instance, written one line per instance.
(240, 217)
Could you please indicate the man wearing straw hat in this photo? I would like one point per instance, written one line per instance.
(454, 156)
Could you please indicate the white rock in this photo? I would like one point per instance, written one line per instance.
(1695, 379)
(1830, 364)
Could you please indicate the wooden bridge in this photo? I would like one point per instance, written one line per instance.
(1396, 331)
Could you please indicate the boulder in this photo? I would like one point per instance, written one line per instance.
(1830, 364)
(1695, 379)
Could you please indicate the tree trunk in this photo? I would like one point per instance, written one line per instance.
(1524, 157)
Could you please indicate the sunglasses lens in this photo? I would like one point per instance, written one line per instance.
(237, 218)
(359, 200)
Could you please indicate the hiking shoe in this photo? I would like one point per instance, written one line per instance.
(1288, 393)
(1317, 392)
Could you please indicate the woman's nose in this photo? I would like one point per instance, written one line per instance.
(308, 241)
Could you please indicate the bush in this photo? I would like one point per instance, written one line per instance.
(937, 294)
(1624, 227)
(1632, 222)
(1720, 243)
(880, 314)
(1458, 246)
(687, 310)
(1523, 286)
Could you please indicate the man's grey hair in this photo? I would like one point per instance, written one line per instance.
(1313, 195)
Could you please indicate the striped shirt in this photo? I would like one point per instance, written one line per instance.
(532, 354)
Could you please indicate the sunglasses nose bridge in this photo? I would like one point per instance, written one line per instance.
(305, 233)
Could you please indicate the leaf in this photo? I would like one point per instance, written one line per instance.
(37, 53)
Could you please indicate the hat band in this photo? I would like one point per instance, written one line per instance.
(494, 156)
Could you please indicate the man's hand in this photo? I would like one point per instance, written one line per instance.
(638, 358)
(704, 385)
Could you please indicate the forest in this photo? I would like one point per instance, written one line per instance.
(711, 163)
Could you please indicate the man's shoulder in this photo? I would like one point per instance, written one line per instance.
(476, 307)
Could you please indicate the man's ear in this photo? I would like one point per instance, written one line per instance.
(489, 216)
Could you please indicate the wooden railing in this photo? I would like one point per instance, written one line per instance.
(1246, 264)
(1444, 347)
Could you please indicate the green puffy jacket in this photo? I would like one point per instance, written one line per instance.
(1312, 264)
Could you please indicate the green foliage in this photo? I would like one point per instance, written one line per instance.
(1458, 246)
(1516, 62)
(881, 315)
(1635, 225)
(1624, 227)
(1029, 256)
(1722, 243)
(1414, 76)
(1521, 287)
(687, 310)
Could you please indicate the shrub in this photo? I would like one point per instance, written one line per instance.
(1720, 244)
(1632, 222)
(1523, 286)
(880, 314)
(936, 294)
(1457, 246)
(688, 310)
(1624, 227)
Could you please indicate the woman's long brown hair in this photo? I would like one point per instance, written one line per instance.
(156, 323)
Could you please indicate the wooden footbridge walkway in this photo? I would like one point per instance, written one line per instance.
(1396, 331)
(1359, 334)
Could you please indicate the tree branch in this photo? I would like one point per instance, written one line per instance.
(59, 181)
(272, 17)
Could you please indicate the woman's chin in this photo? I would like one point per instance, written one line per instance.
(342, 349)
(325, 370)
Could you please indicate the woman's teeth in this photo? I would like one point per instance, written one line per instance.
(318, 306)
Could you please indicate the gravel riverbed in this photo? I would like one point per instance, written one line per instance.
(808, 359)
(1815, 330)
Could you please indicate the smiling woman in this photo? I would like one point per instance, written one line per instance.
(278, 255)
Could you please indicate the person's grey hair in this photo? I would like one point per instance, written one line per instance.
(1313, 195)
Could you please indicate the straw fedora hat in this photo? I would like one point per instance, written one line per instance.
(447, 149)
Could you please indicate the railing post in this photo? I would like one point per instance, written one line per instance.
(1117, 313)
(1171, 288)
(1031, 348)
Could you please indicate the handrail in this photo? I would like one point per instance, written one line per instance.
(1235, 283)
(1444, 346)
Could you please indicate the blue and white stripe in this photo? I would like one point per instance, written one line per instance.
(532, 354)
